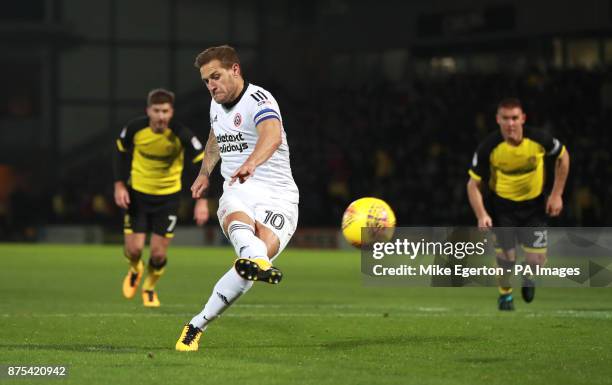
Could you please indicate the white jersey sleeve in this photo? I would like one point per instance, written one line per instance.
(235, 128)
(266, 107)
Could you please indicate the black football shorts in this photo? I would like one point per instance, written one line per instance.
(151, 213)
(520, 222)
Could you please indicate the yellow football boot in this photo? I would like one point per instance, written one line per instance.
(258, 269)
(149, 298)
(189, 339)
(132, 280)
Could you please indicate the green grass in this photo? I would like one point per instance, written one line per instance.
(63, 305)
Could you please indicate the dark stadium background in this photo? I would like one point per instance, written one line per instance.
(385, 99)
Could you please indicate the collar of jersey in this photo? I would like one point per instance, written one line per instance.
(231, 104)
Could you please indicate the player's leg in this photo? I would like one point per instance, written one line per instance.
(242, 232)
(275, 224)
(252, 251)
(269, 238)
(255, 247)
(134, 227)
(506, 259)
(534, 242)
(239, 228)
(132, 250)
(252, 240)
(504, 222)
(225, 292)
(232, 210)
(163, 222)
(505, 254)
(155, 269)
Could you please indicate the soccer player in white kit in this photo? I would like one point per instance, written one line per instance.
(258, 210)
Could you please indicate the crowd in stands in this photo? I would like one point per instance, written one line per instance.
(409, 143)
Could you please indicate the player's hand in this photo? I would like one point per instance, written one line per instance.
(243, 173)
(122, 195)
(485, 223)
(200, 212)
(199, 186)
(554, 205)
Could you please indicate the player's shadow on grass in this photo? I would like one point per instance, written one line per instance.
(483, 360)
(86, 348)
(408, 340)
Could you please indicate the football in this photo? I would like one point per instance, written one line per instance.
(374, 216)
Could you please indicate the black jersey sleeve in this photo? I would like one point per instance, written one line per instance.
(194, 150)
(480, 167)
(552, 145)
(124, 145)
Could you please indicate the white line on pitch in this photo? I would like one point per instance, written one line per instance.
(560, 313)
(328, 306)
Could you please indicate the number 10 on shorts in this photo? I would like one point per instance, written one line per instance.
(276, 220)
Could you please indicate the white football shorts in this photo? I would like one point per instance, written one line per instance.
(261, 205)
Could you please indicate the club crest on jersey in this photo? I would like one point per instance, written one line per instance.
(237, 120)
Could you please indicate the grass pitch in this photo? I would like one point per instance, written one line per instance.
(62, 305)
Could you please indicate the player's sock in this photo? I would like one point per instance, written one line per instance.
(503, 280)
(253, 263)
(504, 290)
(528, 286)
(132, 278)
(532, 268)
(247, 245)
(227, 290)
(154, 272)
(134, 263)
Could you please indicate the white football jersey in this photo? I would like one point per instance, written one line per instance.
(234, 126)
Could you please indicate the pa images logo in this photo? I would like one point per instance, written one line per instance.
(237, 120)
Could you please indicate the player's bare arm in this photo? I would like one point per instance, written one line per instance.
(211, 154)
(211, 158)
(122, 196)
(200, 211)
(554, 204)
(270, 138)
(477, 203)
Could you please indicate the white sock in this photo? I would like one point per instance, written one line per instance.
(246, 244)
(231, 286)
(227, 290)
